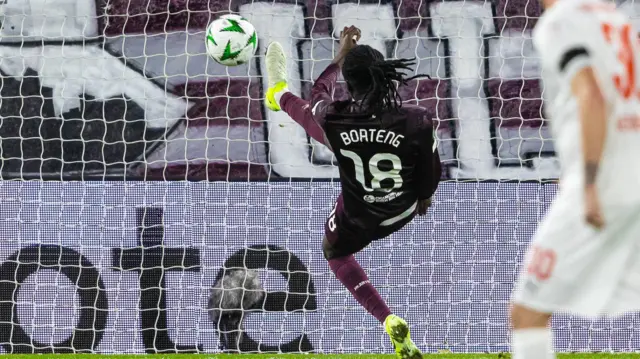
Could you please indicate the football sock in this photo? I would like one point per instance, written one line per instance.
(278, 95)
(352, 276)
(532, 343)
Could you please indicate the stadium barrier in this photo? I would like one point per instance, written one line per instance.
(129, 267)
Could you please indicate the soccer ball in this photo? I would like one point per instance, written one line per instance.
(231, 40)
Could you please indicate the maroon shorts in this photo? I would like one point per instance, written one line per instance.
(349, 235)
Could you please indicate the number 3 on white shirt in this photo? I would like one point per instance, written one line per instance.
(377, 175)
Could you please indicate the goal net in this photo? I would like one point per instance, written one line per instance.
(150, 203)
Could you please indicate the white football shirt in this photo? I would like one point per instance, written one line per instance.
(572, 35)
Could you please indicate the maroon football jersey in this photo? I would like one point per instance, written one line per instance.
(387, 162)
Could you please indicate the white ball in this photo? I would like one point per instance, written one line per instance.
(231, 40)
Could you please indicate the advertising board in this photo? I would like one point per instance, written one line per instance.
(129, 267)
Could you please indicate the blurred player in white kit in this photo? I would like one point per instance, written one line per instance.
(585, 256)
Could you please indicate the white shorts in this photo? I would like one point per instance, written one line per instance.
(572, 267)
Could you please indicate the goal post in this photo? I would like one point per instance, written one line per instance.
(150, 203)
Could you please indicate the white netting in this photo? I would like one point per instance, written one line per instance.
(96, 93)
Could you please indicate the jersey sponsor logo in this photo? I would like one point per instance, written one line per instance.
(597, 7)
(630, 123)
(383, 199)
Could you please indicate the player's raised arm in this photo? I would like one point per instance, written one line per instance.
(323, 87)
(309, 115)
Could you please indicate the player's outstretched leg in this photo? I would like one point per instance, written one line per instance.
(276, 65)
(349, 272)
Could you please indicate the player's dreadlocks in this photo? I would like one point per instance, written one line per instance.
(373, 78)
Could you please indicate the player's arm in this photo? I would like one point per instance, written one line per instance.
(322, 90)
(569, 43)
(592, 111)
(429, 169)
(566, 42)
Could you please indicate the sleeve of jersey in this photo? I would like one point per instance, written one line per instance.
(322, 92)
(429, 167)
(565, 43)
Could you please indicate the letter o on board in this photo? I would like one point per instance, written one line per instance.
(91, 291)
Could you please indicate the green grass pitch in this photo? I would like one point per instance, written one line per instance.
(306, 356)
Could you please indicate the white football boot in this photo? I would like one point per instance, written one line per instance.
(276, 64)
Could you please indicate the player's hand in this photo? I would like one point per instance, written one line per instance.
(423, 206)
(349, 38)
(593, 211)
